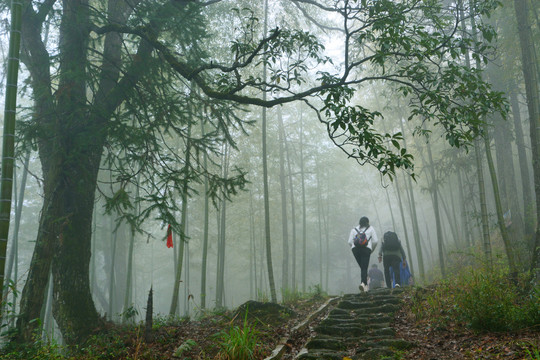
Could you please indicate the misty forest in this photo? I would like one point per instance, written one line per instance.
(166, 162)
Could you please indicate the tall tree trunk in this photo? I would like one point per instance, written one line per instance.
(480, 173)
(508, 185)
(284, 218)
(528, 200)
(464, 219)
(498, 206)
(265, 182)
(375, 207)
(293, 215)
(319, 224)
(129, 275)
(222, 216)
(14, 254)
(70, 162)
(404, 222)
(112, 285)
(205, 230)
(304, 206)
(414, 216)
(435, 193)
(8, 143)
(394, 225)
(494, 181)
(530, 74)
(451, 221)
(252, 251)
(73, 307)
(486, 243)
(182, 235)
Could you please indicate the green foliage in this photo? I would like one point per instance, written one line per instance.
(532, 350)
(9, 308)
(108, 345)
(290, 296)
(187, 345)
(160, 321)
(483, 299)
(316, 292)
(36, 350)
(239, 343)
(262, 296)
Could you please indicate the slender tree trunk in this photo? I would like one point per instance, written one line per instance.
(182, 235)
(528, 199)
(265, 182)
(483, 203)
(304, 207)
(284, 219)
(252, 251)
(14, 254)
(451, 222)
(394, 225)
(435, 193)
(494, 181)
(129, 275)
(414, 216)
(530, 74)
(205, 230)
(480, 172)
(8, 143)
(319, 224)
(464, 219)
(112, 285)
(47, 320)
(498, 206)
(404, 222)
(293, 214)
(222, 216)
(508, 186)
(375, 207)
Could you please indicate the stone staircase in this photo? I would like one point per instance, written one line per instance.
(358, 328)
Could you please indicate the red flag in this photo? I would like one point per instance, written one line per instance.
(169, 237)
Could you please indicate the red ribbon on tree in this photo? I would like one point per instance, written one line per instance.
(169, 237)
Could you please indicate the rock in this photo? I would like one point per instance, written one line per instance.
(265, 312)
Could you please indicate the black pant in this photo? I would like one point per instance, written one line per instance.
(361, 254)
(393, 261)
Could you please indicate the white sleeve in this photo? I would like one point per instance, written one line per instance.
(374, 239)
(351, 237)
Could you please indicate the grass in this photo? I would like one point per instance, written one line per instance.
(481, 298)
(239, 342)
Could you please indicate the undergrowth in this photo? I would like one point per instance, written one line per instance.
(481, 298)
(233, 338)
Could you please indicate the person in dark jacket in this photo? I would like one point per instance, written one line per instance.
(390, 254)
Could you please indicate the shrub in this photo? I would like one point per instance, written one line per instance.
(485, 299)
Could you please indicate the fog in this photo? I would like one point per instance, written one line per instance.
(205, 162)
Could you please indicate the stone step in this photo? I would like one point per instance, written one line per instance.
(358, 328)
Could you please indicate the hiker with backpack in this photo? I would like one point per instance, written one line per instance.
(363, 240)
(390, 254)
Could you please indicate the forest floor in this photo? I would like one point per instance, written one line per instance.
(215, 334)
(212, 336)
(454, 340)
